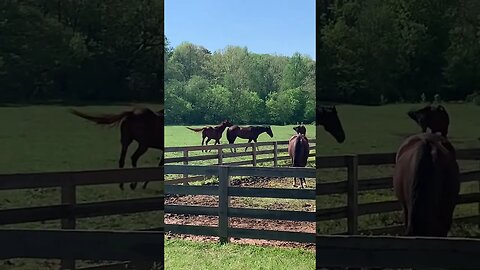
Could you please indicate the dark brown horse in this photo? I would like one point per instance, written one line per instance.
(214, 133)
(328, 118)
(251, 133)
(140, 124)
(298, 150)
(426, 182)
(435, 118)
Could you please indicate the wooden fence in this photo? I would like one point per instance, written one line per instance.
(351, 187)
(224, 192)
(222, 155)
(397, 252)
(68, 244)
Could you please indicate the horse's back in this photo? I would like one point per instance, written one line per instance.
(426, 179)
(298, 149)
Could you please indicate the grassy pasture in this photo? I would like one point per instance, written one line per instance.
(47, 138)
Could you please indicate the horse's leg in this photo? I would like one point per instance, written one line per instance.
(203, 140)
(125, 140)
(138, 153)
(255, 140)
(206, 143)
(160, 163)
(249, 141)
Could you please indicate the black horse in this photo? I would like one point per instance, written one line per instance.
(435, 118)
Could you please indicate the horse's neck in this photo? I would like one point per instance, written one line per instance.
(222, 127)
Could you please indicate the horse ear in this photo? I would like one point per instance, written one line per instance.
(334, 109)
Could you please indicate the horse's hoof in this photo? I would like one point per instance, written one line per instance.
(133, 186)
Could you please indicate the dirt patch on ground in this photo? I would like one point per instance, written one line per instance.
(259, 182)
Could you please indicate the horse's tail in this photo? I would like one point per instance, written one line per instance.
(424, 176)
(196, 129)
(105, 119)
(299, 151)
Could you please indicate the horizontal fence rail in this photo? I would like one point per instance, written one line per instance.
(397, 252)
(222, 152)
(224, 192)
(62, 242)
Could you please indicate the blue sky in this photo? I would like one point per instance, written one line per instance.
(263, 26)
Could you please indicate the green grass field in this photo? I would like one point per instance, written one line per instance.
(47, 138)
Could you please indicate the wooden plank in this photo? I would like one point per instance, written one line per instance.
(352, 194)
(324, 162)
(378, 207)
(272, 214)
(109, 266)
(376, 159)
(272, 235)
(275, 154)
(220, 156)
(331, 188)
(185, 161)
(191, 229)
(223, 204)
(273, 172)
(236, 163)
(76, 178)
(191, 190)
(471, 176)
(191, 169)
(68, 197)
(118, 207)
(191, 210)
(33, 214)
(331, 213)
(244, 154)
(70, 244)
(192, 158)
(83, 210)
(254, 154)
(375, 184)
(390, 252)
(468, 154)
(469, 198)
(307, 194)
(213, 147)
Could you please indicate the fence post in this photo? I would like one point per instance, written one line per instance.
(254, 154)
(68, 196)
(223, 203)
(352, 194)
(275, 154)
(185, 161)
(220, 155)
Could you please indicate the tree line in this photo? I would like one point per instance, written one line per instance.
(380, 51)
(235, 84)
(108, 50)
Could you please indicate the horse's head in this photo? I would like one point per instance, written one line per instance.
(328, 118)
(300, 129)
(269, 131)
(436, 118)
(227, 123)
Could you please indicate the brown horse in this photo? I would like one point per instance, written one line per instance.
(435, 118)
(140, 124)
(426, 182)
(328, 118)
(298, 150)
(214, 133)
(251, 133)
